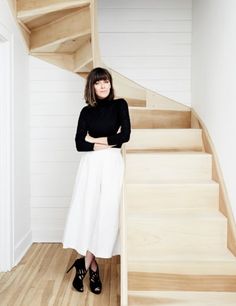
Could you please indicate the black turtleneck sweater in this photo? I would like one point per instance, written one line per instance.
(103, 120)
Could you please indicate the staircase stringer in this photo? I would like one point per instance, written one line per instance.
(217, 175)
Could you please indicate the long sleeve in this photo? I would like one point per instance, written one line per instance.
(124, 134)
(81, 144)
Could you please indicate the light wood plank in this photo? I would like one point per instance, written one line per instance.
(94, 33)
(163, 233)
(71, 26)
(168, 282)
(35, 8)
(165, 139)
(177, 298)
(221, 263)
(26, 34)
(38, 21)
(172, 196)
(123, 235)
(146, 118)
(152, 167)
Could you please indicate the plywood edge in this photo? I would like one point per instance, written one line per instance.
(123, 237)
(217, 175)
(94, 35)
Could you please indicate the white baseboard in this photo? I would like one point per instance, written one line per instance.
(22, 247)
(46, 235)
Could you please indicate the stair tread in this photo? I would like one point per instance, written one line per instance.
(167, 130)
(171, 153)
(174, 182)
(156, 150)
(223, 255)
(185, 215)
(180, 298)
(158, 109)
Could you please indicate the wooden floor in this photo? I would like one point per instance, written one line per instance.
(40, 279)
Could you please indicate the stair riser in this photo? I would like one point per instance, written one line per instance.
(191, 265)
(165, 139)
(180, 298)
(151, 238)
(171, 282)
(143, 199)
(153, 119)
(153, 167)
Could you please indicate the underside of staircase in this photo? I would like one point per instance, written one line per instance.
(178, 234)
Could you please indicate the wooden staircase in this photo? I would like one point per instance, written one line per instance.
(176, 235)
(175, 238)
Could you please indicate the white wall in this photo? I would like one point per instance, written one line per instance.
(149, 41)
(213, 79)
(22, 231)
(56, 98)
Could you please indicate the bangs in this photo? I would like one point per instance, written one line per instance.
(101, 75)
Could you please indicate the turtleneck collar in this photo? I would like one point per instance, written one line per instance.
(102, 101)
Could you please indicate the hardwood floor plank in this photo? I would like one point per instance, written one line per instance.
(40, 279)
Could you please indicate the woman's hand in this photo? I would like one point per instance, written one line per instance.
(100, 140)
(89, 138)
(99, 146)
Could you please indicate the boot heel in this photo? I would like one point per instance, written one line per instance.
(70, 268)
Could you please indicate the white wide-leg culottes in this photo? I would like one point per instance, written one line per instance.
(94, 215)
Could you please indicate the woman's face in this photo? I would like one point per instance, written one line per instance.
(102, 88)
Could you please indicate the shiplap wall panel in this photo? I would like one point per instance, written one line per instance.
(56, 98)
(44, 98)
(150, 43)
(141, 4)
(56, 168)
(51, 185)
(50, 202)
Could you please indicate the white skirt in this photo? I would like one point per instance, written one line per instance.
(94, 215)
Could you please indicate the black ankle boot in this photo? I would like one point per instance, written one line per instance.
(95, 282)
(81, 271)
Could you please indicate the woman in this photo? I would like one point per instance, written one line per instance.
(92, 226)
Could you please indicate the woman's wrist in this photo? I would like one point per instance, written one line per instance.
(90, 139)
(100, 140)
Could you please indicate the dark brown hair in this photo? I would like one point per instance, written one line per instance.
(95, 75)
